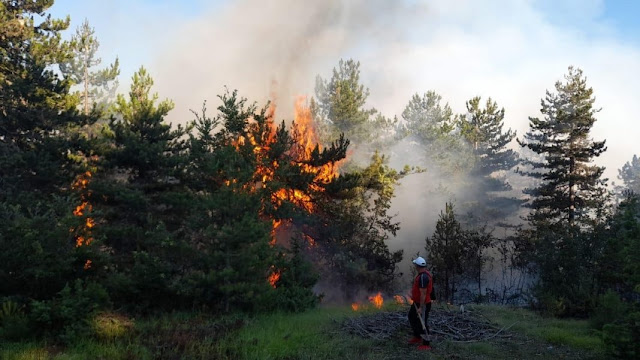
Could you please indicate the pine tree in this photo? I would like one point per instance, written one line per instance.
(445, 253)
(620, 265)
(431, 124)
(630, 176)
(569, 202)
(35, 108)
(225, 224)
(571, 189)
(144, 141)
(98, 86)
(483, 130)
(38, 162)
(356, 227)
(425, 117)
(141, 201)
(340, 104)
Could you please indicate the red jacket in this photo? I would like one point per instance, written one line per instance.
(418, 283)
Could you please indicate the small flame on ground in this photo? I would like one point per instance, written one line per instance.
(377, 300)
(399, 299)
(355, 306)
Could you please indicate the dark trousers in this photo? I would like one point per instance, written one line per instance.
(416, 326)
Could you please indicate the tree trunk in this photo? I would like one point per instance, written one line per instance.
(572, 205)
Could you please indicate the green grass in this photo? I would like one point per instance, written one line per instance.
(310, 335)
(314, 334)
(560, 332)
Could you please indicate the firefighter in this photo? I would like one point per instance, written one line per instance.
(421, 297)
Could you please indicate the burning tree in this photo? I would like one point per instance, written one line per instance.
(37, 119)
(291, 183)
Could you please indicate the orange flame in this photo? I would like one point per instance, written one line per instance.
(307, 141)
(377, 300)
(83, 238)
(274, 277)
(355, 306)
(274, 228)
(399, 299)
(306, 144)
(79, 211)
(310, 240)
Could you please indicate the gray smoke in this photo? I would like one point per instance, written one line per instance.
(271, 49)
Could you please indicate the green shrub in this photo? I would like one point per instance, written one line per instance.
(622, 338)
(109, 326)
(293, 290)
(14, 324)
(67, 315)
(610, 308)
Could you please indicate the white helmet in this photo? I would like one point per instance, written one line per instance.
(420, 261)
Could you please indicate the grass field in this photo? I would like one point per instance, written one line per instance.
(315, 334)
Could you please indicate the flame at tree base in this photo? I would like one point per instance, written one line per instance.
(376, 300)
(274, 277)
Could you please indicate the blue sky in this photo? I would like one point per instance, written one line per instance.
(620, 16)
(623, 14)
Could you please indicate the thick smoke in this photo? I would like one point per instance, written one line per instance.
(268, 49)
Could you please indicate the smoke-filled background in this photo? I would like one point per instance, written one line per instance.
(510, 50)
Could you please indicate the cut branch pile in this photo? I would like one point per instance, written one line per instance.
(378, 326)
(443, 324)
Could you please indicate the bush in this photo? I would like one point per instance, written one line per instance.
(293, 290)
(610, 309)
(67, 314)
(109, 325)
(14, 324)
(550, 305)
(622, 338)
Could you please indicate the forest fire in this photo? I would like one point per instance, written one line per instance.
(83, 238)
(274, 277)
(377, 300)
(301, 154)
(275, 225)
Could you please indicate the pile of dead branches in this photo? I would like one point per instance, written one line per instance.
(452, 325)
(380, 325)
